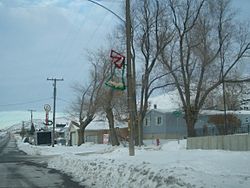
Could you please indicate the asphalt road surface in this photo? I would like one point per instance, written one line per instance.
(18, 170)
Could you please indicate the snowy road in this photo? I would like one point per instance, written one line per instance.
(19, 170)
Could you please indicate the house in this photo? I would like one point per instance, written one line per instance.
(97, 131)
(211, 122)
(73, 131)
(164, 124)
(164, 120)
(60, 130)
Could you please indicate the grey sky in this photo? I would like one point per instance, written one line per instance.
(40, 39)
(48, 38)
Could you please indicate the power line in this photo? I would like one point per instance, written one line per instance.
(64, 100)
(24, 103)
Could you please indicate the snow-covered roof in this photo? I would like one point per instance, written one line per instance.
(165, 110)
(104, 125)
(214, 112)
(169, 101)
(73, 126)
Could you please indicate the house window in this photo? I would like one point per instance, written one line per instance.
(246, 120)
(158, 121)
(146, 122)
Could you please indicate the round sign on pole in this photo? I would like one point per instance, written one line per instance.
(47, 107)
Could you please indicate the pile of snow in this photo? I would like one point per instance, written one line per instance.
(3, 134)
(167, 165)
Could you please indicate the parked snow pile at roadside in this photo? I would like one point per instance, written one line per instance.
(167, 165)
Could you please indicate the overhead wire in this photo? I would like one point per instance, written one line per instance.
(64, 100)
(24, 103)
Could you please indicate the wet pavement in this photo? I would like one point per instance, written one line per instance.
(18, 170)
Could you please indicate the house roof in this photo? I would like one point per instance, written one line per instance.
(165, 111)
(168, 102)
(214, 112)
(104, 125)
(73, 126)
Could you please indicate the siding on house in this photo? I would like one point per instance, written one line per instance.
(73, 135)
(96, 136)
(163, 124)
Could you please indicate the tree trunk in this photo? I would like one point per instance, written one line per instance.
(140, 130)
(190, 129)
(81, 136)
(191, 118)
(137, 132)
(113, 136)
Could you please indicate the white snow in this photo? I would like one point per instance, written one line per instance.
(169, 101)
(167, 165)
(104, 125)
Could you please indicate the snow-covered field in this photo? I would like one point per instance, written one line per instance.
(167, 165)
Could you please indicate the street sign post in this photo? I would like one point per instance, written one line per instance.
(177, 114)
(47, 109)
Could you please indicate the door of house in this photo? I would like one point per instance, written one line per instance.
(73, 138)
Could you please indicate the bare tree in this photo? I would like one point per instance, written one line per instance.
(108, 98)
(96, 98)
(235, 89)
(218, 121)
(88, 99)
(206, 48)
(151, 34)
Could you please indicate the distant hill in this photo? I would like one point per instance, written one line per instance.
(9, 118)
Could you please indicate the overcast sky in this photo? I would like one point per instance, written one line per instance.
(48, 38)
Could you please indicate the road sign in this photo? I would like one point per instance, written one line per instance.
(47, 107)
(177, 113)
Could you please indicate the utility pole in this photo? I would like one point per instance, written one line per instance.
(32, 128)
(130, 88)
(31, 116)
(130, 73)
(54, 107)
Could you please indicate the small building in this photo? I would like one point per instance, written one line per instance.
(73, 132)
(60, 130)
(97, 132)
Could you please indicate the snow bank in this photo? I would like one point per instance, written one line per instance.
(167, 165)
(112, 173)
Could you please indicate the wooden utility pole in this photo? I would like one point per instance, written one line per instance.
(54, 108)
(31, 116)
(130, 89)
(32, 127)
(130, 74)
